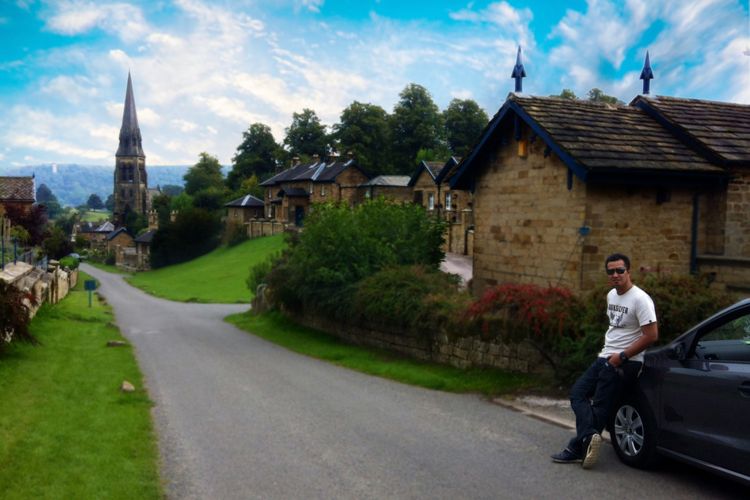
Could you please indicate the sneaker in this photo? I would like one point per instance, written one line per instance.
(591, 444)
(566, 457)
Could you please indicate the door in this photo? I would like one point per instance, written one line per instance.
(299, 215)
(705, 405)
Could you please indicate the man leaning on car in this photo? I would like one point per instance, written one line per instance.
(632, 328)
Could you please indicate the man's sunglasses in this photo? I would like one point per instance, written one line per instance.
(619, 270)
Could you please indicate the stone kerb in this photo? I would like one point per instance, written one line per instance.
(439, 347)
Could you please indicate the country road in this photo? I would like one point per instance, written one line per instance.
(238, 417)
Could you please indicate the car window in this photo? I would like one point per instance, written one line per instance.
(728, 342)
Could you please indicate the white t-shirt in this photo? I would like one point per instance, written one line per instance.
(627, 313)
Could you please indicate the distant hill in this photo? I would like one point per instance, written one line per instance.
(73, 184)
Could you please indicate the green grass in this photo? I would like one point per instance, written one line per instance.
(279, 329)
(217, 277)
(95, 215)
(66, 430)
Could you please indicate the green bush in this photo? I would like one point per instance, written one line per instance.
(259, 272)
(341, 246)
(69, 262)
(412, 297)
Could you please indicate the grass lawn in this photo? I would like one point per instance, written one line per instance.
(107, 267)
(280, 330)
(217, 277)
(66, 430)
(95, 215)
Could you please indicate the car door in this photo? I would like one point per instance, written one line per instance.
(705, 398)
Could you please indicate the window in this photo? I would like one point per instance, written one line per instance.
(431, 201)
(728, 342)
(448, 201)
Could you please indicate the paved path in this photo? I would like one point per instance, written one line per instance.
(238, 417)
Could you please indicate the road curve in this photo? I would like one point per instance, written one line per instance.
(238, 417)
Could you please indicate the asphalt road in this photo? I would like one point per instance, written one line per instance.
(238, 417)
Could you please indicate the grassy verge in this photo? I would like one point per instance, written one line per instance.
(66, 430)
(217, 277)
(280, 330)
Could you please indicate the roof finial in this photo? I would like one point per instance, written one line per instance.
(518, 72)
(646, 75)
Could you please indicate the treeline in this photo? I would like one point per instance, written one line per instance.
(381, 142)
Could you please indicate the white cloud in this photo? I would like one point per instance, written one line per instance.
(183, 125)
(57, 147)
(72, 89)
(311, 5)
(74, 17)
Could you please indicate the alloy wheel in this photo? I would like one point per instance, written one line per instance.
(629, 430)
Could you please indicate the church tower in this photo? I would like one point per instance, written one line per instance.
(131, 183)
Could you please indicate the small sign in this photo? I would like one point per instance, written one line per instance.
(89, 285)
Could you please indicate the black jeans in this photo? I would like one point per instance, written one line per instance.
(593, 395)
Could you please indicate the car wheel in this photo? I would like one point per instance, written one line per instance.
(633, 432)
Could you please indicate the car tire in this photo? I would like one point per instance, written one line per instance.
(633, 432)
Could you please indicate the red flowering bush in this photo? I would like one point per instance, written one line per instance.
(527, 310)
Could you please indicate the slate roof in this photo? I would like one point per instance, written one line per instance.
(433, 168)
(317, 171)
(598, 142)
(720, 129)
(115, 233)
(295, 192)
(448, 169)
(389, 180)
(248, 201)
(146, 237)
(106, 227)
(17, 189)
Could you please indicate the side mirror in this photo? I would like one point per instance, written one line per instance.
(676, 351)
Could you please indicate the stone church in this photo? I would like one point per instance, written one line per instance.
(131, 180)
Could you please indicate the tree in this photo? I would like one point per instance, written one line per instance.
(110, 203)
(306, 136)
(45, 196)
(194, 232)
(95, 202)
(172, 189)
(464, 121)
(566, 94)
(255, 156)
(57, 244)
(364, 131)
(416, 123)
(597, 95)
(33, 220)
(251, 185)
(203, 175)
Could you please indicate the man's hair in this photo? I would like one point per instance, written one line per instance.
(618, 256)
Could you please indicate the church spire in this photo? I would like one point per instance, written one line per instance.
(130, 133)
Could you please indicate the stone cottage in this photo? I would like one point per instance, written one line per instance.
(559, 184)
(17, 192)
(289, 194)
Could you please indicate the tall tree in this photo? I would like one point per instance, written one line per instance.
(45, 196)
(416, 123)
(364, 131)
(598, 95)
(566, 94)
(255, 156)
(464, 121)
(95, 202)
(204, 174)
(306, 136)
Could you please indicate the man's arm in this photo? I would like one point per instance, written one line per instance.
(649, 335)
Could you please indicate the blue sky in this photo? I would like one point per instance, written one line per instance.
(203, 71)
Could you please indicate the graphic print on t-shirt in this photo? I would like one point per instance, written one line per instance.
(616, 313)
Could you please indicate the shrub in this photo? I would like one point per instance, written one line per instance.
(69, 262)
(236, 234)
(340, 246)
(260, 271)
(194, 232)
(412, 297)
(14, 315)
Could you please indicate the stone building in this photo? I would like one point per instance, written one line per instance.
(289, 194)
(392, 187)
(243, 209)
(17, 192)
(559, 184)
(130, 178)
(426, 191)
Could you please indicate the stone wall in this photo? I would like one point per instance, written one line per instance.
(258, 228)
(45, 286)
(462, 352)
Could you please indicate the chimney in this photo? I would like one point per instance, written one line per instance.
(295, 161)
(647, 75)
(350, 155)
(518, 72)
(316, 158)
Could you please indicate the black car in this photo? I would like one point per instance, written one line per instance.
(692, 400)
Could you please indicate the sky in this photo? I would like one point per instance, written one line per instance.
(204, 71)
